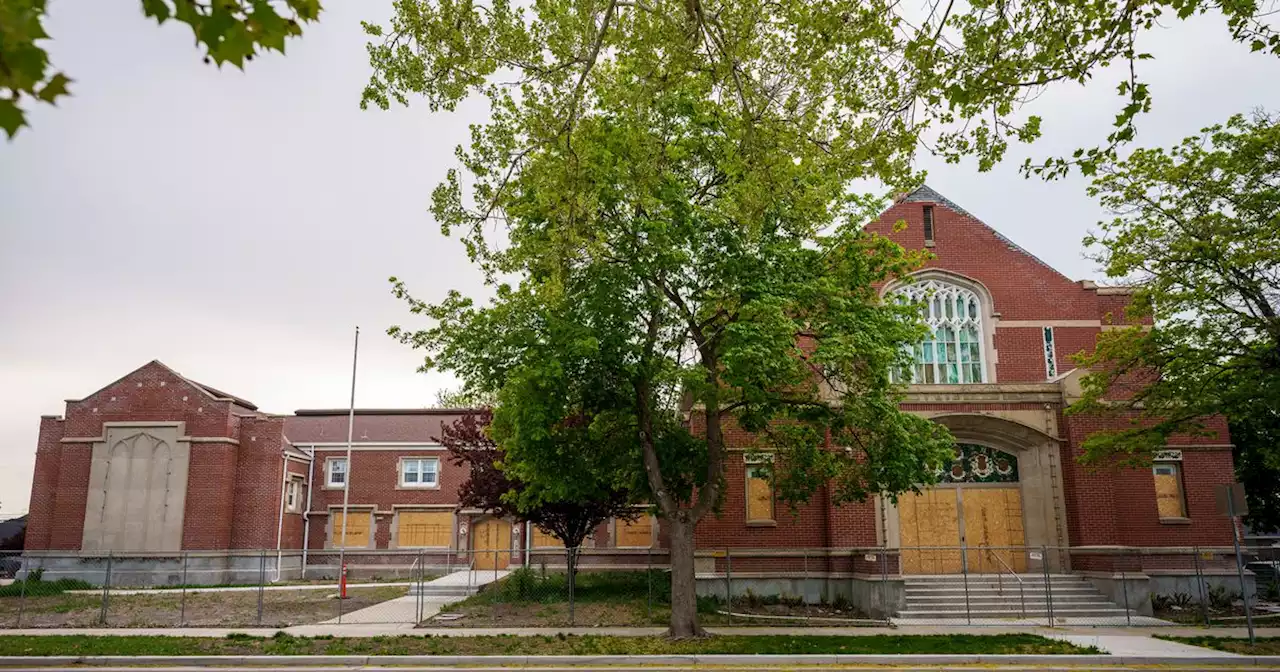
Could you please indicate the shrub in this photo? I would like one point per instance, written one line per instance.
(1160, 602)
(1221, 598)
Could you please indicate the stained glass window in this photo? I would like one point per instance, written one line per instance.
(980, 464)
(1050, 356)
(952, 352)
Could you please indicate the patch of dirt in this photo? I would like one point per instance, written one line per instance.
(534, 614)
(280, 608)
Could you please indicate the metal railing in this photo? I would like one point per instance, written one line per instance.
(1022, 592)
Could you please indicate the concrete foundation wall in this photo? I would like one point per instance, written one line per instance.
(191, 569)
(1169, 583)
(873, 596)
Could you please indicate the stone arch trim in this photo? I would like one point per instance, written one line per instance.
(1044, 507)
(1008, 435)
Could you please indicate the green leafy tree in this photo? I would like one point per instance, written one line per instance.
(569, 510)
(231, 31)
(1195, 234)
(1255, 434)
(667, 187)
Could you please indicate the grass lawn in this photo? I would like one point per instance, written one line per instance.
(528, 598)
(238, 608)
(1265, 646)
(286, 645)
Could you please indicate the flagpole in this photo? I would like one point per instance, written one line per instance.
(346, 484)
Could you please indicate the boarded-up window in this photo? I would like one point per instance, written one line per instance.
(545, 539)
(424, 529)
(637, 533)
(1170, 501)
(357, 529)
(759, 493)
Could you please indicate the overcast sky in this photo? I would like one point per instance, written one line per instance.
(237, 226)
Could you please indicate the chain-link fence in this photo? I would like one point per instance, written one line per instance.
(441, 588)
(213, 589)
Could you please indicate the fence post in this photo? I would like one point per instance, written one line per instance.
(1124, 584)
(964, 570)
(342, 580)
(1048, 586)
(262, 578)
(106, 591)
(182, 609)
(804, 586)
(728, 581)
(1204, 606)
(573, 579)
(22, 598)
(648, 580)
(884, 582)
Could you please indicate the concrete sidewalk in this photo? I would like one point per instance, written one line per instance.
(384, 630)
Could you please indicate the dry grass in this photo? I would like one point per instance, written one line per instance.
(280, 608)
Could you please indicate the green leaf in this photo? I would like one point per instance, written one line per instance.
(11, 117)
(57, 86)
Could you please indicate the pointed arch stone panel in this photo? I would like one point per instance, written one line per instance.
(137, 488)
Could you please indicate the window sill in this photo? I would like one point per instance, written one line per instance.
(762, 523)
(417, 487)
(929, 243)
(1175, 521)
(334, 487)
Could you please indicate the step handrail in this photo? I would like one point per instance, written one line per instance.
(1022, 595)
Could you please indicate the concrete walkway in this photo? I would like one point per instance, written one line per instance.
(405, 612)
(1101, 637)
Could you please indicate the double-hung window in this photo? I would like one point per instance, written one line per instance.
(419, 472)
(336, 472)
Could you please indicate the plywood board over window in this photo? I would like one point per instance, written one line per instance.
(759, 493)
(636, 533)
(358, 533)
(1170, 501)
(543, 539)
(424, 529)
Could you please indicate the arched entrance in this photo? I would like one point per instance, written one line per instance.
(985, 501)
(976, 505)
(491, 542)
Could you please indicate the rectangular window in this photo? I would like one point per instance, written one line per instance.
(357, 529)
(1171, 502)
(424, 529)
(1050, 354)
(928, 224)
(419, 472)
(293, 495)
(759, 490)
(636, 533)
(336, 472)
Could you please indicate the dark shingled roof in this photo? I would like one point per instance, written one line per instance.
(925, 194)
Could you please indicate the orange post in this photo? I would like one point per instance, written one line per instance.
(342, 583)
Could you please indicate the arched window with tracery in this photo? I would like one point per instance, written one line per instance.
(952, 354)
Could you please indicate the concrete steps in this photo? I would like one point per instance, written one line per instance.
(988, 596)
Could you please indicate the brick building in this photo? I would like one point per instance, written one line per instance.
(155, 463)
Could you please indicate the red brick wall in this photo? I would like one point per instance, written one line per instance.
(375, 479)
(44, 484)
(72, 491)
(259, 470)
(211, 488)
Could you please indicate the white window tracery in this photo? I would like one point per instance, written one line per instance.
(952, 354)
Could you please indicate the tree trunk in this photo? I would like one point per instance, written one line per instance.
(684, 599)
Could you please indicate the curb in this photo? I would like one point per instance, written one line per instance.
(1082, 661)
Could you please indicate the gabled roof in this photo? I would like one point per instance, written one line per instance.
(211, 392)
(926, 194)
